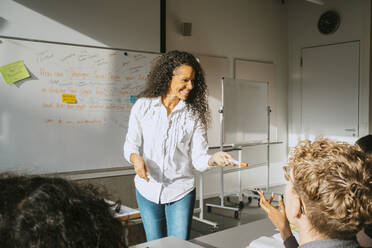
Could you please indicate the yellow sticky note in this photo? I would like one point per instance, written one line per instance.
(69, 98)
(14, 72)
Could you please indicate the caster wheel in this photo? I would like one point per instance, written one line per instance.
(209, 209)
(249, 199)
(236, 214)
(241, 205)
(214, 229)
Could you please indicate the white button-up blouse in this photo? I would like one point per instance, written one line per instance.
(170, 145)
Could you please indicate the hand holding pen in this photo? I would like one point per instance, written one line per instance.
(224, 159)
(236, 162)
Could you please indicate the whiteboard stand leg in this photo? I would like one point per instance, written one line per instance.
(200, 218)
(220, 111)
(268, 149)
(211, 223)
(201, 196)
(241, 203)
(222, 205)
(222, 188)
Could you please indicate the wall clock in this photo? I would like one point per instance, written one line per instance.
(329, 22)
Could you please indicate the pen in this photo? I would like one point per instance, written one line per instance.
(238, 162)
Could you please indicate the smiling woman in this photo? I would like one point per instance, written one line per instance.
(166, 139)
(182, 82)
(164, 71)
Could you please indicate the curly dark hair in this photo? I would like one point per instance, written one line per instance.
(161, 74)
(41, 212)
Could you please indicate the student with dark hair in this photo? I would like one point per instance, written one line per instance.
(364, 237)
(166, 140)
(328, 195)
(43, 212)
(365, 143)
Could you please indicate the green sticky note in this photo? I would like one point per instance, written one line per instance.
(14, 72)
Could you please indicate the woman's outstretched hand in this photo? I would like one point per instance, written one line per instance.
(224, 159)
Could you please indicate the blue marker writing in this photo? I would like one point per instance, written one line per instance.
(133, 98)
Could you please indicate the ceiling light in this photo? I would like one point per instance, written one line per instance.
(319, 2)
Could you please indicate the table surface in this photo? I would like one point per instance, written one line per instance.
(240, 236)
(237, 237)
(167, 242)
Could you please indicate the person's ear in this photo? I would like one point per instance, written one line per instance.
(297, 206)
(302, 207)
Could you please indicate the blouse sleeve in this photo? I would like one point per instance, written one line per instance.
(199, 148)
(133, 140)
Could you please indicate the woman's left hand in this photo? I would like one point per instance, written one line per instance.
(221, 159)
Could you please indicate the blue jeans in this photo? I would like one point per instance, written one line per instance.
(170, 219)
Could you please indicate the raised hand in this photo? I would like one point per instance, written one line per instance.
(276, 214)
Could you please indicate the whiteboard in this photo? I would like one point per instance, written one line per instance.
(41, 134)
(245, 105)
(264, 71)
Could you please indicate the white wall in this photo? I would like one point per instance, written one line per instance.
(253, 30)
(125, 24)
(302, 32)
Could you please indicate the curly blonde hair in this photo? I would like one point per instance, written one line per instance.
(334, 180)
